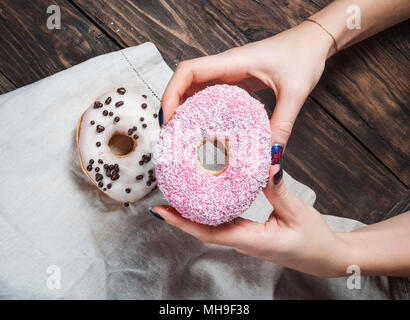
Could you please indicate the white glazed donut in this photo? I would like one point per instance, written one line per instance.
(115, 138)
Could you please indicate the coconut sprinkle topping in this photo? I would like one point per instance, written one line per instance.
(223, 112)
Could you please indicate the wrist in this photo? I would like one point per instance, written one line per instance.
(317, 38)
(337, 21)
(338, 258)
(347, 255)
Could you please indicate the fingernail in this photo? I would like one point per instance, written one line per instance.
(156, 215)
(276, 155)
(278, 176)
(161, 117)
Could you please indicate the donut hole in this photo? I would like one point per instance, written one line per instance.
(213, 155)
(121, 144)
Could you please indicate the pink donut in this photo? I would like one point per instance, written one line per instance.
(240, 123)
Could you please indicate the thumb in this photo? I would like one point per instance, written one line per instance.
(287, 108)
(276, 191)
(284, 202)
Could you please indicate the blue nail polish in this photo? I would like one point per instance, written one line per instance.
(276, 154)
(161, 117)
(156, 215)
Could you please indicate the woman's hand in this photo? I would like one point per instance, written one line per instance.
(295, 236)
(291, 63)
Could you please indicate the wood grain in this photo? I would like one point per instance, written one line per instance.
(29, 51)
(5, 84)
(366, 87)
(180, 30)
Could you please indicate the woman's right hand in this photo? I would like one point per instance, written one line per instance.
(290, 63)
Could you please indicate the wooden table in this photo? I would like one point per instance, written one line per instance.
(351, 142)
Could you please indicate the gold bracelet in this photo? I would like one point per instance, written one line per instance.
(324, 29)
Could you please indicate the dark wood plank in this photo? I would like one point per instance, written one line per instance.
(5, 84)
(29, 51)
(348, 182)
(180, 30)
(402, 206)
(365, 87)
(399, 37)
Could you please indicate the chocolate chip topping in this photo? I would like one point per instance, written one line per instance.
(105, 189)
(151, 177)
(144, 96)
(140, 177)
(119, 104)
(155, 115)
(100, 128)
(129, 132)
(105, 113)
(126, 204)
(146, 157)
(97, 169)
(100, 161)
(108, 100)
(144, 125)
(144, 106)
(109, 186)
(142, 119)
(89, 167)
(92, 122)
(135, 136)
(116, 167)
(121, 90)
(91, 161)
(97, 105)
(141, 162)
(100, 184)
(111, 114)
(98, 177)
(106, 166)
(134, 128)
(128, 190)
(116, 119)
(98, 144)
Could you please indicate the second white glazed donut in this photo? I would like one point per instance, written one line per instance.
(121, 113)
